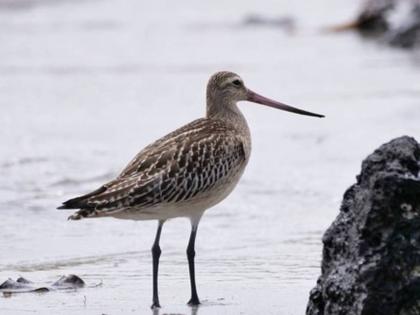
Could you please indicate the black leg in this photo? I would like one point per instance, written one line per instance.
(191, 254)
(156, 254)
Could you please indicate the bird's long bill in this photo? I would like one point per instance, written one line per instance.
(256, 98)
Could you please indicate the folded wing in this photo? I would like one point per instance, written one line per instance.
(180, 166)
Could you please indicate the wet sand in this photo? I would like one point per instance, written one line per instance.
(85, 85)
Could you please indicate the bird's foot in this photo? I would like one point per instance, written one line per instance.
(155, 305)
(194, 301)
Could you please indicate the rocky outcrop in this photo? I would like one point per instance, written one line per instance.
(396, 22)
(371, 255)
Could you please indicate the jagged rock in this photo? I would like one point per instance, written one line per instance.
(371, 255)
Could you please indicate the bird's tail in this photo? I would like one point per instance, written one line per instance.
(86, 209)
(81, 202)
(74, 203)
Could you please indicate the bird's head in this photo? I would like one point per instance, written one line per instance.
(225, 89)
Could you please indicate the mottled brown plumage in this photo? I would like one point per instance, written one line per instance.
(184, 173)
(181, 166)
(186, 165)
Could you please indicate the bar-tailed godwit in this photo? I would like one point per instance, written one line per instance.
(184, 173)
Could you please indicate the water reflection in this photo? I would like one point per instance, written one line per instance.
(193, 311)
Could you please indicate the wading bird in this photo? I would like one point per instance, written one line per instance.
(184, 173)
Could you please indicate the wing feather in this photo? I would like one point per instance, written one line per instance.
(175, 168)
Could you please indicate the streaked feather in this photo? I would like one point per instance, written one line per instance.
(178, 167)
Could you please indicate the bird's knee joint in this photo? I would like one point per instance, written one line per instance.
(156, 250)
(191, 252)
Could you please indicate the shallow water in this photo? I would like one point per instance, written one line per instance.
(85, 84)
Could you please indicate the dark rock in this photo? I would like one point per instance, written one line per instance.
(23, 280)
(372, 19)
(371, 255)
(392, 21)
(22, 285)
(407, 34)
(11, 284)
(70, 281)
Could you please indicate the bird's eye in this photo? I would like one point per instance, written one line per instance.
(237, 82)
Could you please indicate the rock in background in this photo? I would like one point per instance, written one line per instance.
(371, 255)
(407, 34)
(396, 22)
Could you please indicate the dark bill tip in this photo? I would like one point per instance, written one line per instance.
(256, 98)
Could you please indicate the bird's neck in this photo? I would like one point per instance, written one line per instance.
(230, 114)
(226, 111)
